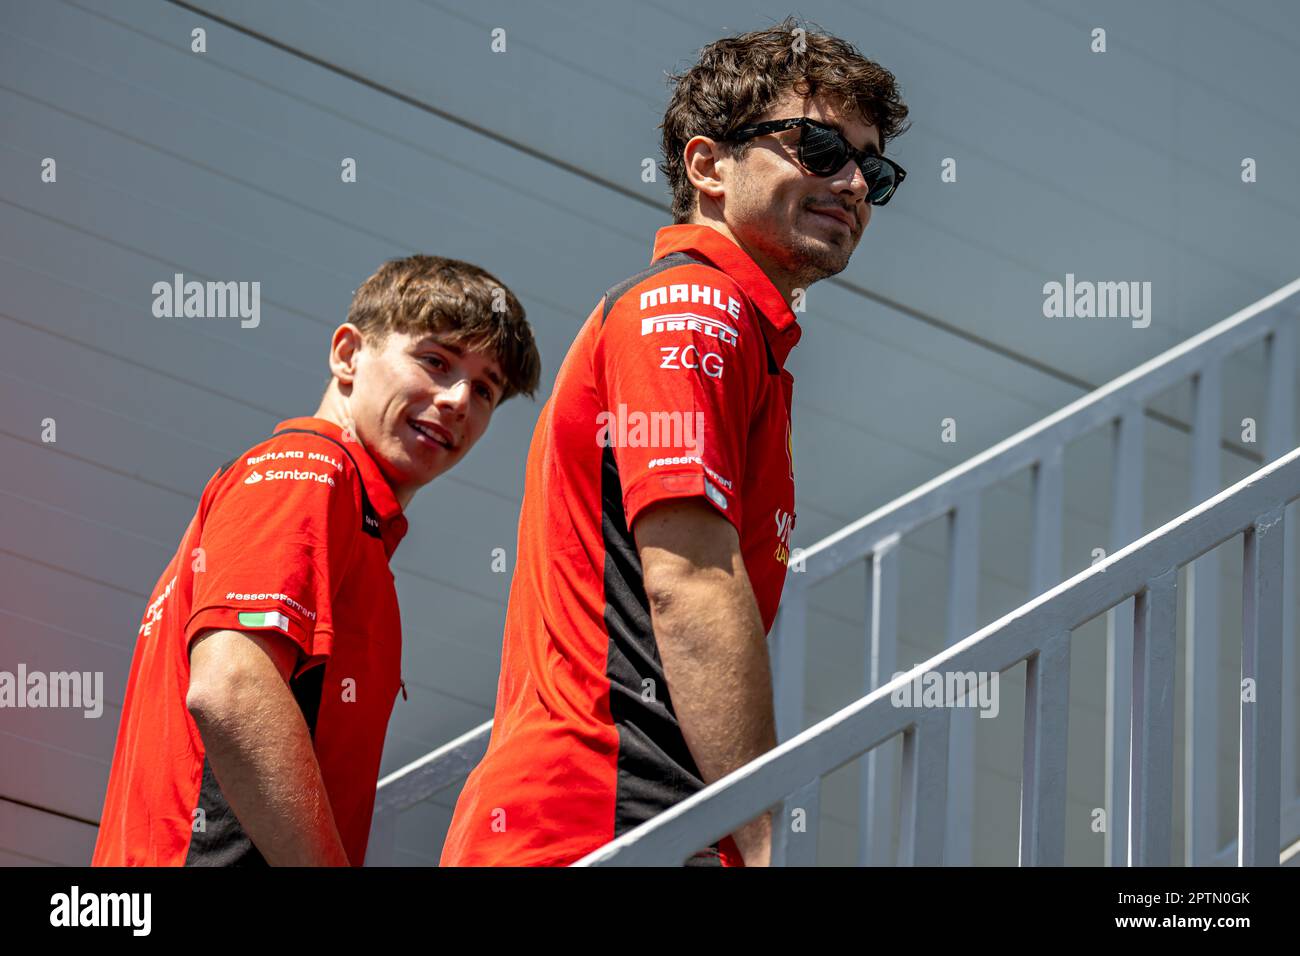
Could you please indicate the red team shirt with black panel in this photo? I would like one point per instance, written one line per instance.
(675, 388)
(291, 538)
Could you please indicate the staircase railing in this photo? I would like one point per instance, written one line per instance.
(1039, 633)
(875, 540)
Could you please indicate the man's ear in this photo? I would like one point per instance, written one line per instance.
(344, 346)
(704, 159)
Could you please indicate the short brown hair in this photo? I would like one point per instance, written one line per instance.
(737, 79)
(462, 304)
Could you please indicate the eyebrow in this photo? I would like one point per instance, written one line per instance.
(456, 350)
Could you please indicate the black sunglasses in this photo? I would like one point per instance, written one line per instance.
(823, 151)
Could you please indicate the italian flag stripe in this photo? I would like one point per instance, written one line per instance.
(264, 619)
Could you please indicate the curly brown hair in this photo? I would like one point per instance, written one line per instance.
(464, 305)
(738, 78)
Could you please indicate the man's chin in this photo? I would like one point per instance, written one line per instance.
(825, 255)
(822, 264)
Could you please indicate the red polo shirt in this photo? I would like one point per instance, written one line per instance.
(674, 388)
(293, 537)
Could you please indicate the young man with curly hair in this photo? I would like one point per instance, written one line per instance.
(659, 500)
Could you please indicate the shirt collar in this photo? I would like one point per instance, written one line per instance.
(780, 328)
(378, 491)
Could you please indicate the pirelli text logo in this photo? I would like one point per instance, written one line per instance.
(690, 322)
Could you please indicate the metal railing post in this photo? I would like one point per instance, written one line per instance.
(879, 777)
(963, 617)
(795, 829)
(924, 805)
(1047, 734)
(1151, 772)
(1048, 520)
(1259, 789)
(1201, 707)
(1280, 438)
(1126, 525)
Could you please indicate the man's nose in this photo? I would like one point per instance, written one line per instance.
(850, 178)
(455, 397)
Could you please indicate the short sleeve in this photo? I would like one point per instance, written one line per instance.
(276, 540)
(678, 360)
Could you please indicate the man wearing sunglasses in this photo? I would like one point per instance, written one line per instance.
(651, 560)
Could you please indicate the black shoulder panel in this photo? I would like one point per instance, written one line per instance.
(614, 293)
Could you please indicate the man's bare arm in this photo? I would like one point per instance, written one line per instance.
(711, 640)
(260, 748)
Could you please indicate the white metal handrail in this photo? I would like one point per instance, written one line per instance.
(1039, 633)
(876, 538)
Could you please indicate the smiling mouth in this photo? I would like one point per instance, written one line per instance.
(433, 433)
(828, 215)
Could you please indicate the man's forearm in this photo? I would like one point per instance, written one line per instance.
(714, 651)
(262, 755)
